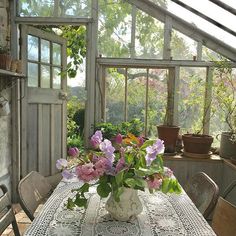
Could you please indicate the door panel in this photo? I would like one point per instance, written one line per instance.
(43, 119)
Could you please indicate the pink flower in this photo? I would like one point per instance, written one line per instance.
(96, 139)
(141, 141)
(168, 172)
(155, 183)
(73, 152)
(86, 172)
(118, 139)
(100, 166)
(120, 164)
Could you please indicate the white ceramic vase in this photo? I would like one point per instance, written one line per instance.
(128, 206)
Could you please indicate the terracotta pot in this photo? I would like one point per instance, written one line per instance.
(197, 143)
(5, 61)
(170, 135)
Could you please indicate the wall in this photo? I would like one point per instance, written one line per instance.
(5, 121)
(5, 145)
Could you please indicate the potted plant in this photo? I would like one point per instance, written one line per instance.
(225, 95)
(198, 144)
(136, 166)
(5, 58)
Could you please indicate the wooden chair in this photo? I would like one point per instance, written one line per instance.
(7, 216)
(204, 192)
(54, 180)
(33, 190)
(223, 222)
(224, 218)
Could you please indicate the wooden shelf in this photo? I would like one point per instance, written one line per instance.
(10, 74)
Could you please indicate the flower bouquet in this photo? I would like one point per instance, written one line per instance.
(135, 165)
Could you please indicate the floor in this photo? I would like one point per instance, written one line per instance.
(22, 220)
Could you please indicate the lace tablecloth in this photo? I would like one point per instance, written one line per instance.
(162, 214)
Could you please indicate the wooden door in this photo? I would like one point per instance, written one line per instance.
(43, 107)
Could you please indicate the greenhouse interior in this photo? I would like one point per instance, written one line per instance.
(117, 117)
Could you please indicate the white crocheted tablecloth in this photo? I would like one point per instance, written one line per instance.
(163, 215)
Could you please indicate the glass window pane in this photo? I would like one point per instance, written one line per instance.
(223, 102)
(56, 77)
(149, 36)
(114, 29)
(210, 55)
(79, 8)
(136, 98)
(157, 100)
(191, 99)
(45, 51)
(182, 47)
(33, 48)
(115, 95)
(33, 77)
(56, 54)
(45, 76)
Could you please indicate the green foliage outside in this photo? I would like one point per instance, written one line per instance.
(110, 130)
(74, 130)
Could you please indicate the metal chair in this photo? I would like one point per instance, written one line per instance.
(7, 215)
(204, 193)
(33, 190)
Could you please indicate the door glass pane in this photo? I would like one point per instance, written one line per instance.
(56, 77)
(45, 51)
(115, 95)
(33, 75)
(33, 48)
(45, 76)
(56, 54)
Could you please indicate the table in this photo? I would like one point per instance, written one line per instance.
(163, 215)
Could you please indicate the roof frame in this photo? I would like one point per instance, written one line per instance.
(186, 28)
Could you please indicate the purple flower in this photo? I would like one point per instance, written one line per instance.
(73, 151)
(153, 151)
(107, 148)
(66, 174)
(141, 141)
(61, 164)
(96, 139)
(118, 139)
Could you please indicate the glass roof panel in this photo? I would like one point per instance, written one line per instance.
(209, 9)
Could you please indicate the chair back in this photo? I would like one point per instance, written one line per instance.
(230, 193)
(7, 216)
(33, 189)
(204, 193)
(224, 218)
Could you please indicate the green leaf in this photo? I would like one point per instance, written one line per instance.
(81, 202)
(117, 193)
(119, 177)
(147, 143)
(84, 188)
(70, 204)
(165, 185)
(103, 190)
